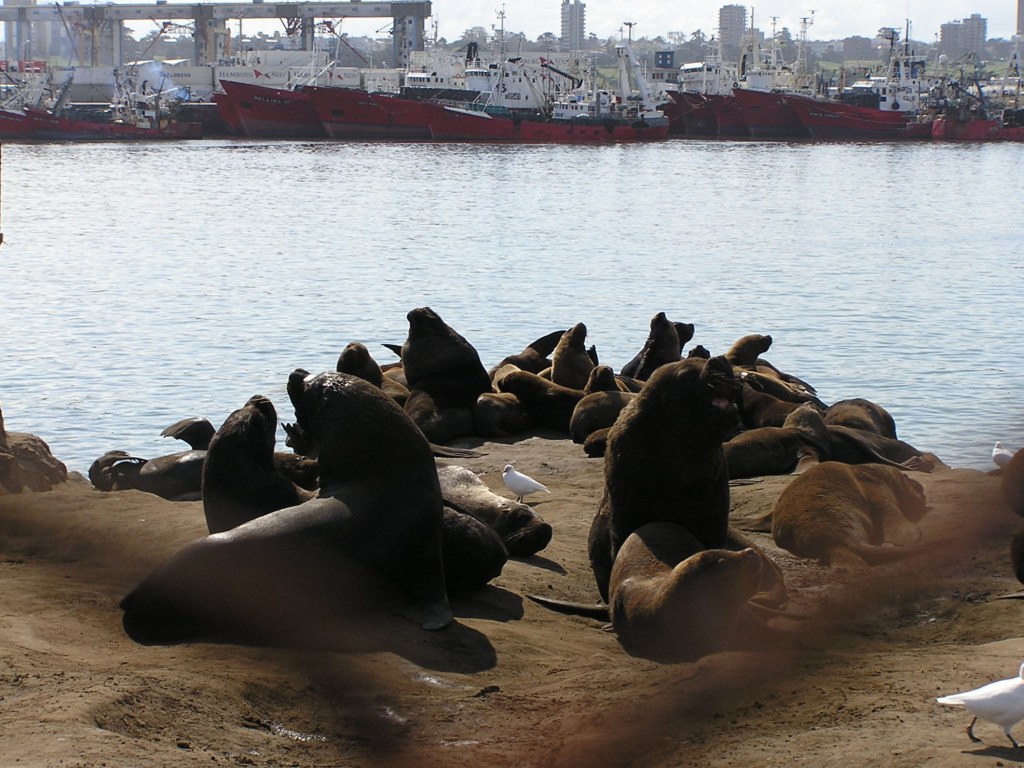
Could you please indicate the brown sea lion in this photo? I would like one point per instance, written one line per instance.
(536, 356)
(664, 460)
(672, 600)
(1013, 483)
(519, 527)
(862, 414)
(840, 512)
(500, 414)
(371, 541)
(570, 362)
(240, 479)
(776, 450)
(550, 405)
(355, 359)
(445, 377)
(745, 351)
(857, 446)
(595, 411)
(760, 409)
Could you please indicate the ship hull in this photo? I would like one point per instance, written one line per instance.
(768, 115)
(50, 127)
(835, 121)
(355, 114)
(730, 121)
(265, 112)
(976, 129)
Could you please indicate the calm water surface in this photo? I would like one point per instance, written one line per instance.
(145, 283)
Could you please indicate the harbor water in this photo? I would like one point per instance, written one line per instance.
(143, 283)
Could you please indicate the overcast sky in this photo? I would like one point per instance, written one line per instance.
(832, 18)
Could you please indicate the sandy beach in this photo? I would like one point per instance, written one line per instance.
(510, 683)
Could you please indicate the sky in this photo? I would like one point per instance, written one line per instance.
(833, 19)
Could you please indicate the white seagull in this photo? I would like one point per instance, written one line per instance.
(1001, 702)
(1001, 456)
(519, 483)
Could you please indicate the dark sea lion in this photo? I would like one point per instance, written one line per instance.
(601, 379)
(356, 360)
(1013, 483)
(194, 430)
(699, 351)
(745, 351)
(664, 460)
(240, 479)
(175, 477)
(862, 414)
(595, 411)
(776, 450)
(780, 388)
(473, 552)
(535, 357)
(570, 362)
(684, 331)
(672, 600)
(836, 511)
(371, 541)
(596, 443)
(857, 446)
(520, 528)
(549, 405)
(445, 377)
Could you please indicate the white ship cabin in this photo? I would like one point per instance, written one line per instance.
(576, 106)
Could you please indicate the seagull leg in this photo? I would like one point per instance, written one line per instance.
(1010, 737)
(519, 500)
(970, 731)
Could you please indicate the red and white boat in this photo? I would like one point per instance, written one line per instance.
(875, 108)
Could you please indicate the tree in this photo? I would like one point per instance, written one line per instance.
(548, 41)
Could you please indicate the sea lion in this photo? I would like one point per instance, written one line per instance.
(664, 460)
(370, 542)
(858, 446)
(664, 344)
(570, 362)
(1013, 483)
(194, 430)
(445, 377)
(175, 477)
(862, 414)
(549, 404)
(240, 479)
(523, 531)
(500, 414)
(535, 357)
(356, 359)
(596, 443)
(745, 351)
(776, 450)
(760, 409)
(840, 512)
(595, 411)
(473, 552)
(672, 600)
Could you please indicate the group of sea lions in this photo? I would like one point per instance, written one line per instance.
(380, 525)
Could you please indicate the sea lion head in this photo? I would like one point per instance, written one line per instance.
(355, 359)
(602, 379)
(576, 336)
(116, 471)
(684, 331)
(250, 431)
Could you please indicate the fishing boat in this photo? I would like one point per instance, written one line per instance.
(874, 108)
(57, 126)
(582, 115)
(1008, 125)
(265, 111)
(966, 109)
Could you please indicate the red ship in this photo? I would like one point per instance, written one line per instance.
(263, 111)
(768, 115)
(1008, 127)
(835, 120)
(48, 126)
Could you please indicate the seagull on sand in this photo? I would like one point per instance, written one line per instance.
(519, 483)
(1001, 702)
(1001, 456)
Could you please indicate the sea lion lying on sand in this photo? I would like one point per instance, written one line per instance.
(841, 512)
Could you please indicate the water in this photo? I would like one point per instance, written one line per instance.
(145, 283)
